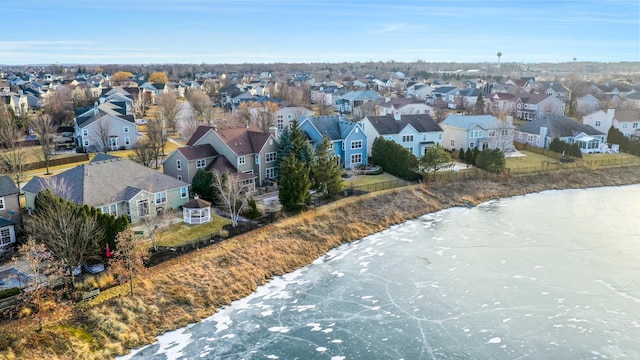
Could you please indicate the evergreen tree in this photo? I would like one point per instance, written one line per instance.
(491, 160)
(478, 108)
(435, 159)
(326, 173)
(294, 185)
(468, 156)
(556, 145)
(574, 150)
(476, 152)
(461, 154)
(202, 185)
(394, 159)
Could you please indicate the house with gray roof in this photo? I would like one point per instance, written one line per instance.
(481, 131)
(114, 185)
(626, 120)
(349, 142)
(349, 101)
(541, 132)
(535, 106)
(415, 133)
(182, 163)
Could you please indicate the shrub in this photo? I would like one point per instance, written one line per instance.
(9, 292)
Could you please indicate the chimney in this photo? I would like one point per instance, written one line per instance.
(397, 116)
(274, 131)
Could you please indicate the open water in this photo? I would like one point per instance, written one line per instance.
(554, 275)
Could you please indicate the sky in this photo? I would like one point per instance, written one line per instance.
(314, 31)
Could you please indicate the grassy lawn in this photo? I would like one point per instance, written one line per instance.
(608, 156)
(181, 233)
(531, 159)
(360, 180)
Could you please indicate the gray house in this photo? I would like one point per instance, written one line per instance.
(114, 185)
(541, 132)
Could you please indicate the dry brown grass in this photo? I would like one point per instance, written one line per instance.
(187, 289)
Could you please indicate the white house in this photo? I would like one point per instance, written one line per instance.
(415, 133)
(625, 120)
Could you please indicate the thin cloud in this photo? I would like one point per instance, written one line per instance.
(388, 29)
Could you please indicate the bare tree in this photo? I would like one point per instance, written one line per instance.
(232, 194)
(59, 106)
(265, 114)
(65, 230)
(157, 138)
(39, 297)
(188, 126)
(13, 157)
(43, 126)
(128, 259)
(200, 102)
(169, 109)
(143, 153)
(503, 133)
(102, 132)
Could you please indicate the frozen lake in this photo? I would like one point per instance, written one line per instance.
(554, 275)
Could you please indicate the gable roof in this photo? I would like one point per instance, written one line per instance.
(7, 186)
(197, 151)
(387, 125)
(335, 127)
(533, 98)
(244, 140)
(468, 122)
(198, 134)
(559, 126)
(107, 181)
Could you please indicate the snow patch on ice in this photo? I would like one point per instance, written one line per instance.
(495, 340)
(280, 329)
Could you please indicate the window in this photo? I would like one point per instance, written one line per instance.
(492, 133)
(270, 156)
(475, 134)
(85, 132)
(387, 137)
(453, 143)
(127, 141)
(113, 143)
(241, 160)
(356, 159)
(201, 163)
(143, 207)
(424, 137)
(289, 116)
(624, 125)
(183, 192)
(126, 129)
(635, 125)
(179, 177)
(86, 143)
(161, 198)
(113, 209)
(2, 206)
(357, 144)
(407, 138)
(280, 123)
(178, 165)
(271, 173)
(530, 138)
(5, 236)
(597, 123)
(410, 149)
(331, 145)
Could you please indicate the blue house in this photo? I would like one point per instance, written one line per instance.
(348, 139)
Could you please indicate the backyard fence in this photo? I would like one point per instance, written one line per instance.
(383, 185)
(58, 161)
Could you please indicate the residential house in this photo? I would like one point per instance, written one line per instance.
(587, 104)
(419, 91)
(633, 100)
(415, 133)
(94, 124)
(348, 140)
(445, 95)
(402, 106)
(285, 115)
(481, 131)
(501, 103)
(116, 186)
(552, 88)
(542, 131)
(184, 162)
(352, 99)
(535, 106)
(625, 120)
(247, 151)
(9, 212)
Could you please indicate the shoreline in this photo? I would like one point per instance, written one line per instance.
(189, 289)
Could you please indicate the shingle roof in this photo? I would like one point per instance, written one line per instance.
(105, 182)
(197, 151)
(533, 98)
(200, 132)
(244, 140)
(335, 127)
(221, 164)
(196, 204)
(387, 125)
(468, 122)
(7, 186)
(627, 114)
(559, 126)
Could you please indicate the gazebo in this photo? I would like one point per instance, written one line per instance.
(196, 211)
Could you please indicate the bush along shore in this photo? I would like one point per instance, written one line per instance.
(189, 288)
